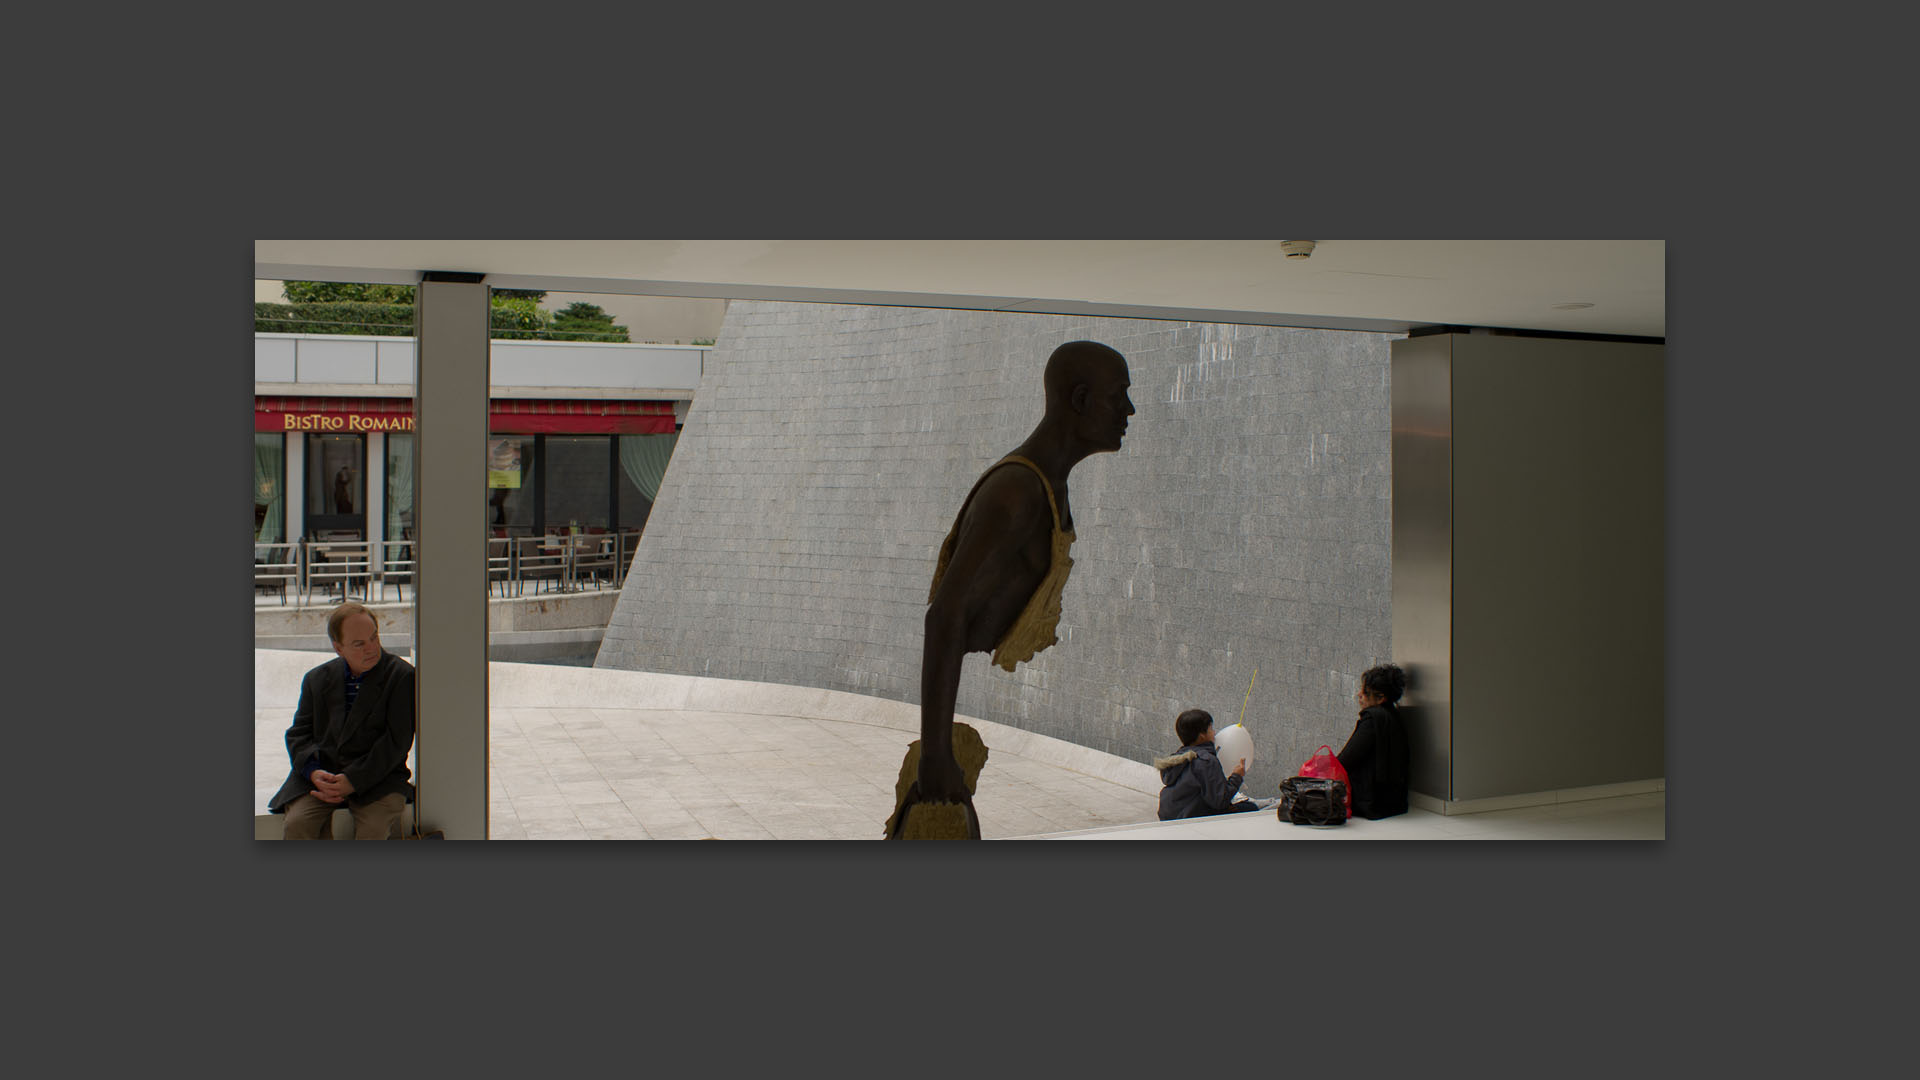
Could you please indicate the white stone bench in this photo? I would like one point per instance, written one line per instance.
(274, 826)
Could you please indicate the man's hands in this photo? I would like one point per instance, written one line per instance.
(1238, 770)
(331, 787)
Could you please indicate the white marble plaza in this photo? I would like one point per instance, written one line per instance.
(592, 754)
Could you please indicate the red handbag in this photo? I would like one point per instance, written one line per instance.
(1323, 765)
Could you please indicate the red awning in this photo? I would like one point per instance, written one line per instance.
(557, 416)
(560, 416)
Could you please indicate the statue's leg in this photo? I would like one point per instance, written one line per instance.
(916, 820)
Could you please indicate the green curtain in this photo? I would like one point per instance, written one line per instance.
(644, 459)
(269, 477)
(399, 484)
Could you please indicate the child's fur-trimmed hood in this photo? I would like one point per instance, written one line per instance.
(1170, 761)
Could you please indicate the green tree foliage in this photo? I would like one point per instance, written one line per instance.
(519, 318)
(586, 322)
(346, 292)
(334, 317)
(340, 307)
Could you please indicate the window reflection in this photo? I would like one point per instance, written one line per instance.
(269, 502)
(336, 485)
(576, 482)
(399, 517)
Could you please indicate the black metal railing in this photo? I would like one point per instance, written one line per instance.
(314, 572)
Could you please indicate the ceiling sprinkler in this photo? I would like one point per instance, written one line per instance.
(1296, 249)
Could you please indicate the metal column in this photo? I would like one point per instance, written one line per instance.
(450, 603)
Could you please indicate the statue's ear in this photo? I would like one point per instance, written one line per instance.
(1078, 399)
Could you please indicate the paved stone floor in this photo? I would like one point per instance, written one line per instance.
(758, 762)
(1624, 817)
(638, 774)
(590, 754)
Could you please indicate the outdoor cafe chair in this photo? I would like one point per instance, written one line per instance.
(396, 568)
(332, 564)
(543, 561)
(500, 566)
(593, 559)
(276, 567)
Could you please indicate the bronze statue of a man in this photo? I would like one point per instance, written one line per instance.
(1001, 571)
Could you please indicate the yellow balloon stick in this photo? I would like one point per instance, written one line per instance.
(1243, 705)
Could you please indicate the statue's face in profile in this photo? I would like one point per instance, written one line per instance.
(1103, 418)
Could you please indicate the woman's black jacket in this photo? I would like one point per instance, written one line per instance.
(1375, 758)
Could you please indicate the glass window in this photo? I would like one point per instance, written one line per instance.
(399, 486)
(577, 481)
(510, 484)
(643, 462)
(269, 483)
(336, 478)
(634, 505)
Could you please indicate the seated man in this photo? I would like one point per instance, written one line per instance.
(350, 736)
(1195, 784)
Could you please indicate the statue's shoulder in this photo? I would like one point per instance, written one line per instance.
(1012, 491)
(1014, 473)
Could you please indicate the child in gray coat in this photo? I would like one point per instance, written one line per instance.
(1195, 784)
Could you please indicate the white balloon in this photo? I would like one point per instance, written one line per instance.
(1233, 743)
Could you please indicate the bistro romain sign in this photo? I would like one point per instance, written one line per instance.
(344, 422)
(344, 416)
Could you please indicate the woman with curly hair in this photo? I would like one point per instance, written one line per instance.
(1375, 756)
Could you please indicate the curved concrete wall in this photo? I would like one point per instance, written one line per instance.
(1245, 522)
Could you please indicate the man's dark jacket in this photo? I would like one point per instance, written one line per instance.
(1195, 785)
(1375, 758)
(369, 744)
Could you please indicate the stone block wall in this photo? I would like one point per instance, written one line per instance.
(1245, 522)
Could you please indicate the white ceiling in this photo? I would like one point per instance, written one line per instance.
(1346, 284)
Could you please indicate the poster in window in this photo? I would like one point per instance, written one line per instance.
(503, 463)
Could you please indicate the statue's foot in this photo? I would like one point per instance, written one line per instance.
(970, 755)
(928, 819)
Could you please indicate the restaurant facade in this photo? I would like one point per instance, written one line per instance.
(579, 435)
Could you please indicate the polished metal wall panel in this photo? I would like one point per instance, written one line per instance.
(1423, 552)
(1558, 590)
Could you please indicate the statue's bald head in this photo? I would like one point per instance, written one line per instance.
(1087, 394)
(1079, 362)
